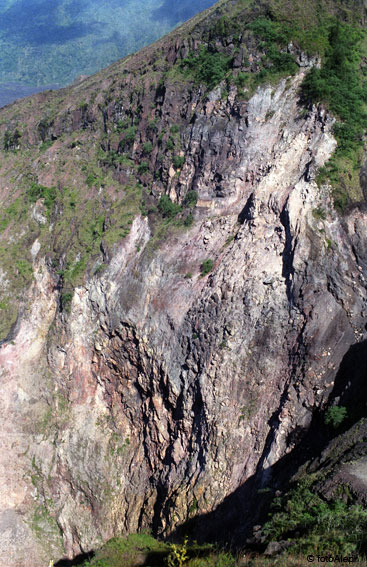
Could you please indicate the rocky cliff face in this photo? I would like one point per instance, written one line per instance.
(159, 391)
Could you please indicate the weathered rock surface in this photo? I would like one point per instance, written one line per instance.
(159, 395)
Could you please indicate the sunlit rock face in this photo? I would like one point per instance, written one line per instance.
(163, 390)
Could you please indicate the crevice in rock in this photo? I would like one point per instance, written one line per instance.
(158, 509)
(288, 254)
(247, 212)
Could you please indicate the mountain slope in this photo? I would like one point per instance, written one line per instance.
(178, 293)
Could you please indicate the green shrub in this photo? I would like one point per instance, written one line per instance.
(241, 79)
(280, 62)
(167, 208)
(316, 525)
(152, 125)
(66, 298)
(208, 67)
(319, 213)
(189, 220)
(178, 161)
(11, 140)
(143, 167)
(48, 194)
(24, 268)
(91, 179)
(121, 126)
(130, 135)
(274, 36)
(174, 129)
(148, 147)
(206, 267)
(46, 145)
(335, 416)
(191, 199)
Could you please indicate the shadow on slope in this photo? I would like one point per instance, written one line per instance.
(233, 521)
(78, 560)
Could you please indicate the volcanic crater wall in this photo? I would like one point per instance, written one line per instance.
(163, 391)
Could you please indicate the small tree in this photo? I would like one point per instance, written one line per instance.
(191, 199)
(335, 416)
(206, 267)
(167, 208)
(178, 162)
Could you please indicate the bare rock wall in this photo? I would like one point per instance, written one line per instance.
(163, 392)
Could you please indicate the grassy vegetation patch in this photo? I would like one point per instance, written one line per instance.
(91, 226)
(168, 208)
(143, 549)
(48, 194)
(274, 35)
(341, 84)
(73, 246)
(208, 66)
(206, 266)
(120, 551)
(172, 218)
(13, 213)
(44, 526)
(333, 33)
(147, 147)
(316, 525)
(114, 159)
(16, 264)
